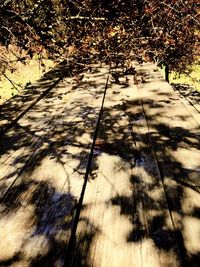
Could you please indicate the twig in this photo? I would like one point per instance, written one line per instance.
(178, 11)
(3, 27)
(85, 18)
(13, 83)
(20, 19)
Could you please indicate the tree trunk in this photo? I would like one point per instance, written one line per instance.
(167, 72)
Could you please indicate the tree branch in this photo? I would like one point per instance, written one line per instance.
(85, 18)
(13, 83)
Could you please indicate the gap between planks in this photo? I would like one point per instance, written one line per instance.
(34, 210)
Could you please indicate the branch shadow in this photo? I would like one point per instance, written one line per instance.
(43, 162)
(42, 207)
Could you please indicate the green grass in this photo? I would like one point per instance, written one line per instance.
(23, 74)
(193, 78)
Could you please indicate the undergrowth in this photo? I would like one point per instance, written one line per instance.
(15, 79)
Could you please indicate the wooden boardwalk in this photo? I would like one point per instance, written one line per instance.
(98, 174)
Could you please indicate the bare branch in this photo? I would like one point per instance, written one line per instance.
(13, 83)
(85, 18)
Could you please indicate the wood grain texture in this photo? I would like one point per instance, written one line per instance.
(175, 131)
(17, 105)
(141, 203)
(125, 219)
(44, 172)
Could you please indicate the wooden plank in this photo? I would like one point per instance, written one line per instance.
(34, 129)
(10, 110)
(175, 131)
(188, 93)
(124, 219)
(37, 211)
(18, 105)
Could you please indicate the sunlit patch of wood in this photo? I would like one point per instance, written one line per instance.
(15, 228)
(141, 201)
(110, 246)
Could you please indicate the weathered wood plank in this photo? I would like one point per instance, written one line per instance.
(128, 218)
(189, 94)
(37, 211)
(13, 109)
(33, 130)
(125, 219)
(175, 131)
(10, 110)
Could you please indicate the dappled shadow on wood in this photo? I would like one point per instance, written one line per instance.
(43, 163)
(188, 91)
(142, 196)
(33, 223)
(177, 148)
(12, 109)
(154, 209)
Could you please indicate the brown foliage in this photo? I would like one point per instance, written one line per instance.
(165, 31)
